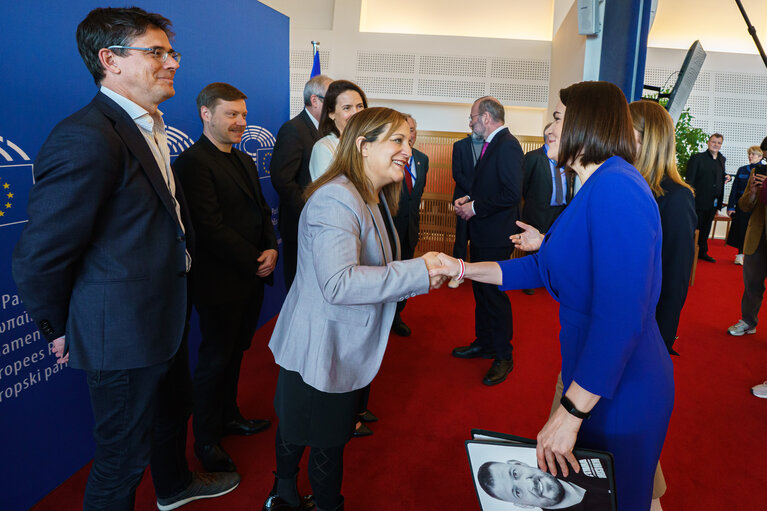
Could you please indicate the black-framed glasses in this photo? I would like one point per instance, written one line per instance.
(471, 117)
(158, 53)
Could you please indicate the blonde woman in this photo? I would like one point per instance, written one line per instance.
(737, 233)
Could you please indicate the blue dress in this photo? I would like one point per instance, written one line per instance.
(601, 260)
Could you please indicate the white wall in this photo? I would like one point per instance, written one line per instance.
(436, 78)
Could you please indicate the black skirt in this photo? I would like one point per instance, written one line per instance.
(311, 417)
(737, 234)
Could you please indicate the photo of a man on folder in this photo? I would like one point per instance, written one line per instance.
(506, 476)
(529, 487)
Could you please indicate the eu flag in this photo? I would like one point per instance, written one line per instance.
(15, 182)
(316, 65)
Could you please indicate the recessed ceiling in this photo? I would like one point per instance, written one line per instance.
(505, 19)
(718, 24)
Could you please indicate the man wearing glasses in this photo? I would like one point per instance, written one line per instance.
(102, 263)
(289, 169)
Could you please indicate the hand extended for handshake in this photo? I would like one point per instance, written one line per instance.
(441, 268)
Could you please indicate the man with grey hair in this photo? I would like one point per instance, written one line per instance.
(408, 220)
(290, 168)
(491, 212)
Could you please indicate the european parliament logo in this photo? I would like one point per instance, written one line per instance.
(178, 141)
(258, 142)
(16, 179)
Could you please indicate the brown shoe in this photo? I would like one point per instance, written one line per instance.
(498, 371)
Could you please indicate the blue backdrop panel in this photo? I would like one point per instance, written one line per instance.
(45, 417)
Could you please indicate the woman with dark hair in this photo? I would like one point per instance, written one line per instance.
(601, 260)
(332, 332)
(342, 100)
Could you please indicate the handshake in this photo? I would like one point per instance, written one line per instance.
(441, 268)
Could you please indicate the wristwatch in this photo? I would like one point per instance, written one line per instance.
(570, 407)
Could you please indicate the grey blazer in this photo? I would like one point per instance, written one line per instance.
(335, 322)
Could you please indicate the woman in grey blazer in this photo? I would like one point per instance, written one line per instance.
(333, 329)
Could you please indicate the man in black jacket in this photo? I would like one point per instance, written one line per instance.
(492, 211)
(102, 264)
(289, 168)
(407, 221)
(236, 255)
(706, 174)
(465, 155)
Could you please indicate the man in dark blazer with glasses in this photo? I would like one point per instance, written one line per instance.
(102, 264)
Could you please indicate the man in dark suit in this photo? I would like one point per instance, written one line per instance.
(492, 211)
(706, 174)
(102, 263)
(544, 189)
(465, 154)
(290, 168)
(408, 218)
(236, 253)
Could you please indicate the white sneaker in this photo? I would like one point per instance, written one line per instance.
(454, 283)
(740, 328)
(739, 259)
(760, 390)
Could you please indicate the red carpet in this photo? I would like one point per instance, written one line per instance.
(427, 402)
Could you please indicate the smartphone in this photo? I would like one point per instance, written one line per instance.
(760, 170)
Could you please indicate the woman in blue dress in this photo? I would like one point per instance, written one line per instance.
(601, 260)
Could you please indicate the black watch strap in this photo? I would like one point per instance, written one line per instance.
(570, 407)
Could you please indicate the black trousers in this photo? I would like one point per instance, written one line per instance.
(705, 219)
(493, 325)
(140, 418)
(289, 261)
(461, 238)
(227, 331)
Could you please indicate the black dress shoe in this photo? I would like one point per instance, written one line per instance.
(472, 351)
(275, 503)
(707, 258)
(367, 416)
(214, 458)
(401, 329)
(245, 427)
(498, 371)
(529, 291)
(362, 430)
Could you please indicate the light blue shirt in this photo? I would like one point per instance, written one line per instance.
(556, 173)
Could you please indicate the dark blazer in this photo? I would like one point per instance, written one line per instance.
(102, 258)
(232, 220)
(407, 221)
(701, 177)
(496, 191)
(679, 221)
(537, 187)
(289, 170)
(463, 167)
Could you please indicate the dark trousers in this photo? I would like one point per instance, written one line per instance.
(289, 261)
(493, 324)
(754, 273)
(705, 219)
(140, 418)
(227, 331)
(461, 238)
